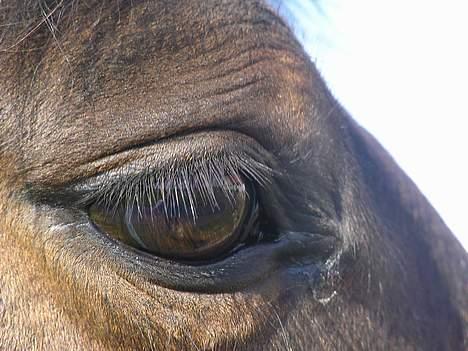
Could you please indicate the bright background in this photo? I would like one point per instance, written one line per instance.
(401, 69)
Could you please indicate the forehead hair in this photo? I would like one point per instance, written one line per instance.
(21, 20)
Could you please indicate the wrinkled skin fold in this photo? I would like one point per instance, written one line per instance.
(363, 262)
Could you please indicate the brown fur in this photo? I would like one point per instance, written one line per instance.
(91, 86)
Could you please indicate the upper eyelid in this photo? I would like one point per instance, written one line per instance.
(123, 167)
(235, 156)
(241, 160)
(131, 182)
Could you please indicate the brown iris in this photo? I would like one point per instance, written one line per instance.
(194, 227)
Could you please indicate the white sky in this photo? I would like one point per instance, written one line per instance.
(401, 69)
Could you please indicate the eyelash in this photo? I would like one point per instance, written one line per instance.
(176, 183)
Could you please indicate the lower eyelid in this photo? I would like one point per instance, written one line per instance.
(228, 275)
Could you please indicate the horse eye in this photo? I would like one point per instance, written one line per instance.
(199, 226)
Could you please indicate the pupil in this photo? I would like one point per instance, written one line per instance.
(197, 229)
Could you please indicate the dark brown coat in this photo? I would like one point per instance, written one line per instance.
(87, 87)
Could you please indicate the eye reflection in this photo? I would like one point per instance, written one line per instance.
(192, 228)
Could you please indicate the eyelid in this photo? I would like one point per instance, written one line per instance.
(241, 162)
(111, 172)
(193, 159)
(131, 185)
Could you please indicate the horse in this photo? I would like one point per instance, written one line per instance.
(176, 175)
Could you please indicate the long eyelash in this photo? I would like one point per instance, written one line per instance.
(176, 185)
